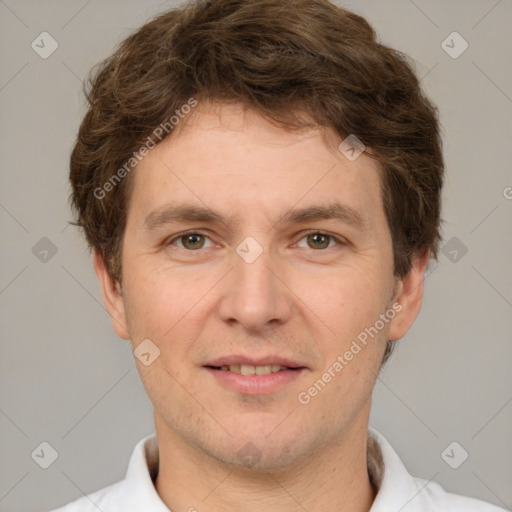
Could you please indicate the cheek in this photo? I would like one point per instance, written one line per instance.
(168, 306)
(346, 301)
(157, 295)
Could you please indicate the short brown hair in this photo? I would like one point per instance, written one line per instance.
(296, 62)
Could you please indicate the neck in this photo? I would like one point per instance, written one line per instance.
(335, 478)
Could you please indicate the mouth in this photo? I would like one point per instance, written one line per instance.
(254, 377)
(249, 369)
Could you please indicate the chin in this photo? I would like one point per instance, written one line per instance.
(266, 447)
(260, 458)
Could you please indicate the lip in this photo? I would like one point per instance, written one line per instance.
(255, 361)
(255, 384)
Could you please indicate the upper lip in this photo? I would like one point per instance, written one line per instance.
(254, 361)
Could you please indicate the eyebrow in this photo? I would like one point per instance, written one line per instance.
(192, 213)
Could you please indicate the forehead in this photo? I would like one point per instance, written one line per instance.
(235, 161)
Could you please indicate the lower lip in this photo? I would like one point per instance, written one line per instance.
(255, 384)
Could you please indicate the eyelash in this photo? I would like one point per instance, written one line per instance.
(312, 232)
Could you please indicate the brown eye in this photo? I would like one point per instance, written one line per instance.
(318, 240)
(190, 241)
(194, 241)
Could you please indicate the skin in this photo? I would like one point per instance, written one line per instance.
(295, 300)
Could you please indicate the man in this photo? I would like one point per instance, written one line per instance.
(260, 183)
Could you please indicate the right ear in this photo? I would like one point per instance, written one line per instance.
(112, 297)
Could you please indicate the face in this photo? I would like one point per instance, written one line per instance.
(256, 260)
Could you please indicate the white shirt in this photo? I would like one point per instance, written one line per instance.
(397, 489)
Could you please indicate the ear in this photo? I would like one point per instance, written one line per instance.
(409, 295)
(112, 297)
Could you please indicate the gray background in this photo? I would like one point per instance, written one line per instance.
(66, 379)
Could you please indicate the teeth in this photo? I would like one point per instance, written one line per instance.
(263, 370)
(248, 369)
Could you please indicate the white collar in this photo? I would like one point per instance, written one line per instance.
(396, 487)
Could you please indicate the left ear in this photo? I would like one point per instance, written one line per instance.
(112, 296)
(409, 295)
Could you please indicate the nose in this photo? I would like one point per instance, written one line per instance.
(255, 295)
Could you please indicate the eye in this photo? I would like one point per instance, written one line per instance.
(319, 240)
(191, 241)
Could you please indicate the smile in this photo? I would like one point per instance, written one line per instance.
(254, 379)
(249, 369)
